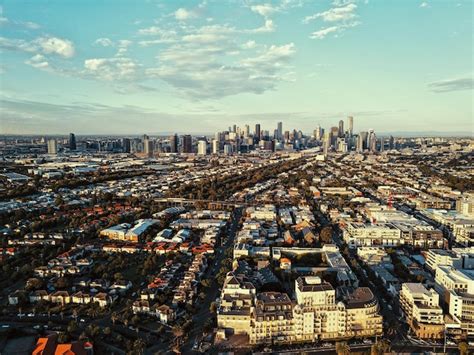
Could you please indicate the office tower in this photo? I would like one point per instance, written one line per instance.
(234, 128)
(327, 142)
(369, 135)
(391, 142)
(372, 141)
(318, 133)
(72, 141)
(227, 149)
(275, 134)
(257, 131)
(147, 146)
(280, 130)
(187, 144)
(126, 148)
(382, 144)
(341, 145)
(341, 129)
(350, 123)
(246, 131)
(333, 135)
(52, 146)
(215, 146)
(362, 141)
(174, 143)
(202, 147)
(287, 135)
(144, 143)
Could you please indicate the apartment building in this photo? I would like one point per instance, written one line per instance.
(315, 314)
(375, 234)
(237, 304)
(422, 312)
(457, 288)
(436, 257)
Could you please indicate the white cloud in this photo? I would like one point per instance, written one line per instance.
(448, 85)
(249, 44)
(264, 10)
(320, 34)
(38, 61)
(183, 14)
(204, 71)
(344, 13)
(268, 26)
(4, 21)
(111, 69)
(104, 42)
(424, 4)
(160, 36)
(62, 47)
(123, 47)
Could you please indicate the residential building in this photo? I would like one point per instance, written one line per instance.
(422, 312)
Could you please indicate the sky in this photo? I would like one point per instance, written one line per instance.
(134, 67)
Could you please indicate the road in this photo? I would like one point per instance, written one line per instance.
(204, 313)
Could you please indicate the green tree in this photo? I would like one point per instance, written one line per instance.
(380, 347)
(463, 348)
(342, 348)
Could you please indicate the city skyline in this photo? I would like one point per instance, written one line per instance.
(190, 66)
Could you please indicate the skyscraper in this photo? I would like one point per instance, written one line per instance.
(215, 146)
(391, 143)
(362, 141)
(257, 131)
(334, 134)
(174, 143)
(341, 129)
(372, 141)
(187, 144)
(280, 130)
(318, 133)
(72, 141)
(52, 146)
(147, 146)
(327, 142)
(202, 147)
(126, 145)
(350, 123)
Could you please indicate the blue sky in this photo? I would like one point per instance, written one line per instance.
(130, 67)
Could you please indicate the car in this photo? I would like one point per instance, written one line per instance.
(4, 326)
(82, 320)
(31, 314)
(20, 315)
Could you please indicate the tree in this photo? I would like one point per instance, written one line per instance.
(58, 201)
(139, 346)
(72, 327)
(380, 347)
(326, 235)
(463, 348)
(342, 348)
(114, 317)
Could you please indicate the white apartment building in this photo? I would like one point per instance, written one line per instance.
(376, 234)
(457, 286)
(273, 317)
(437, 257)
(421, 309)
